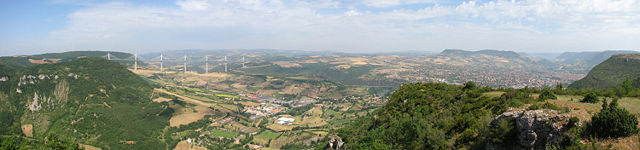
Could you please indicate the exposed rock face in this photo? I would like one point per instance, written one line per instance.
(335, 143)
(535, 128)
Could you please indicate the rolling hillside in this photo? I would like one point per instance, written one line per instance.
(96, 101)
(32, 60)
(590, 58)
(611, 72)
(494, 58)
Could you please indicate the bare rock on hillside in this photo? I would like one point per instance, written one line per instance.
(335, 142)
(535, 128)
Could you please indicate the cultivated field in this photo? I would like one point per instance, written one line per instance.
(187, 115)
(184, 145)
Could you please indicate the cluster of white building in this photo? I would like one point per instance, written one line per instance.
(285, 120)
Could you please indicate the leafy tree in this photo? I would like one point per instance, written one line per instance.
(503, 133)
(559, 89)
(612, 122)
(627, 85)
(427, 116)
(619, 91)
(590, 97)
(469, 86)
(10, 143)
(546, 94)
(52, 142)
(636, 83)
(516, 94)
(57, 143)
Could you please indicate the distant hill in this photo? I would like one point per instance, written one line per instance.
(611, 72)
(99, 102)
(457, 52)
(497, 58)
(548, 56)
(590, 58)
(32, 60)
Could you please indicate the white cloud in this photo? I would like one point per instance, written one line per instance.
(392, 3)
(537, 25)
(381, 3)
(193, 5)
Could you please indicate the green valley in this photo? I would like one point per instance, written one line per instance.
(305, 102)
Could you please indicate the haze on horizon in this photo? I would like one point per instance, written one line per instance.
(30, 27)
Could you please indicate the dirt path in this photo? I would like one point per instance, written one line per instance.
(197, 102)
(183, 118)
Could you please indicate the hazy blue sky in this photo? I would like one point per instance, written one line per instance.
(36, 26)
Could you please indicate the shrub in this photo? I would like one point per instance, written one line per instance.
(572, 122)
(469, 86)
(590, 97)
(547, 94)
(612, 122)
(548, 105)
(503, 133)
(570, 139)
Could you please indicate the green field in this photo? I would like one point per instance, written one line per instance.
(493, 94)
(267, 135)
(630, 103)
(221, 133)
(225, 95)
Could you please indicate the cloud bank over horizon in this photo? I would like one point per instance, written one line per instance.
(350, 26)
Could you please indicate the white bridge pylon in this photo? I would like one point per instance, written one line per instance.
(186, 60)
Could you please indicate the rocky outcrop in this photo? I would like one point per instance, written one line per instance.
(335, 142)
(535, 129)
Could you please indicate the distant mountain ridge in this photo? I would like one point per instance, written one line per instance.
(22, 61)
(611, 72)
(547, 56)
(499, 53)
(590, 58)
(493, 57)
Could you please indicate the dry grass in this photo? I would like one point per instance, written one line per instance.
(493, 94)
(161, 99)
(187, 99)
(89, 147)
(248, 103)
(308, 61)
(184, 145)
(286, 139)
(355, 60)
(622, 143)
(279, 127)
(586, 110)
(146, 73)
(186, 115)
(27, 129)
(186, 118)
(294, 89)
(260, 141)
(239, 86)
(313, 121)
(37, 61)
(341, 67)
(227, 107)
(323, 133)
(215, 75)
(287, 64)
(631, 104)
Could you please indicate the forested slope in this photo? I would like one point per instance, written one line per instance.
(96, 101)
(611, 72)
